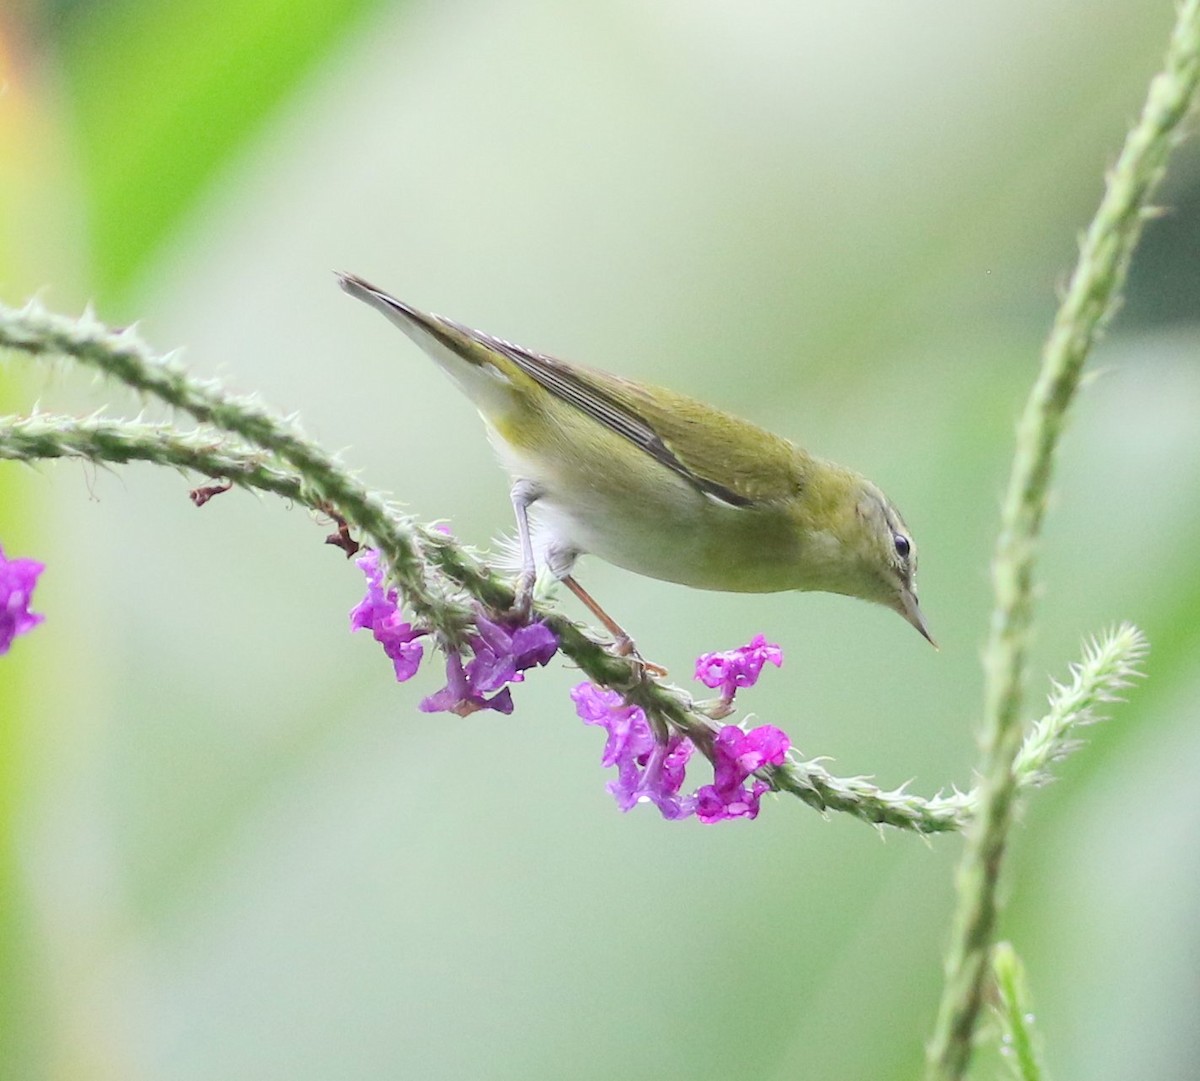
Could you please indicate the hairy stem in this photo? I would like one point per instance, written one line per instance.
(97, 439)
(1014, 1012)
(1090, 299)
(1107, 666)
(124, 356)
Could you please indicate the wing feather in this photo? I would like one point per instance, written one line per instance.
(723, 456)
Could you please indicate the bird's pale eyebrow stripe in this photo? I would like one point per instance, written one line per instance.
(598, 405)
(894, 524)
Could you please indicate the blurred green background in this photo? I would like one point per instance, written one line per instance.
(233, 848)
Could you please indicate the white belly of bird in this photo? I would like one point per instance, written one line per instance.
(668, 530)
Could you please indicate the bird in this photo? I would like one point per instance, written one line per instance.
(660, 483)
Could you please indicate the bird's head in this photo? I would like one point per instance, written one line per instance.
(882, 554)
(888, 557)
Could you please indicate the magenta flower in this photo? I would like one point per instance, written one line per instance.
(17, 580)
(398, 641)
(378, 603)
(626, 725)
(379, 612)
(500, 655)
(651, 771)
(647, 771)
(661, 779)
(737, 668)
(461, 695)
(737, 755)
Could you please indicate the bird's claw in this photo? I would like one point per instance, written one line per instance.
(522, 605)
(624, 647)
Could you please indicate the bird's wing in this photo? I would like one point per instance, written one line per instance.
(724, 456)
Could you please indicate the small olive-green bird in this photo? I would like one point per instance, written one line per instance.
(660, 483)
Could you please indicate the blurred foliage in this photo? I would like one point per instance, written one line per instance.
(162, 95)
(159, 95)
(1165, 288)
(234, 848)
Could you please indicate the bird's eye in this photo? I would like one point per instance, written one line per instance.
(903, 546)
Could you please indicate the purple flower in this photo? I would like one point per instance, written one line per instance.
(736, 668)
(651, 771)
(500, 655)
(379, 612)
(378, 603)
(398, 641)
(628, 730)
(461, 696)
(647, 770)
(662, 778)
(737, 754)
(17, 580)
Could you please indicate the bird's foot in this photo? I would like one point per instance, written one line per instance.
(624, 647)
(522, 605)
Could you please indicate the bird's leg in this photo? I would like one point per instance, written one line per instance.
(624, 644)
(523, 493)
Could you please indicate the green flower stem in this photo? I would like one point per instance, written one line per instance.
(1090, 298)
(1107, 666)
(1015, 1014)
(124, 356)
(103, 441)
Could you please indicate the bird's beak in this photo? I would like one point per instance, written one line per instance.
(911, 610)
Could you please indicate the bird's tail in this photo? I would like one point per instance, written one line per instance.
(487, 376)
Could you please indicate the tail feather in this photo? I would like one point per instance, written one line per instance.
(417, 324)
(483, 373)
